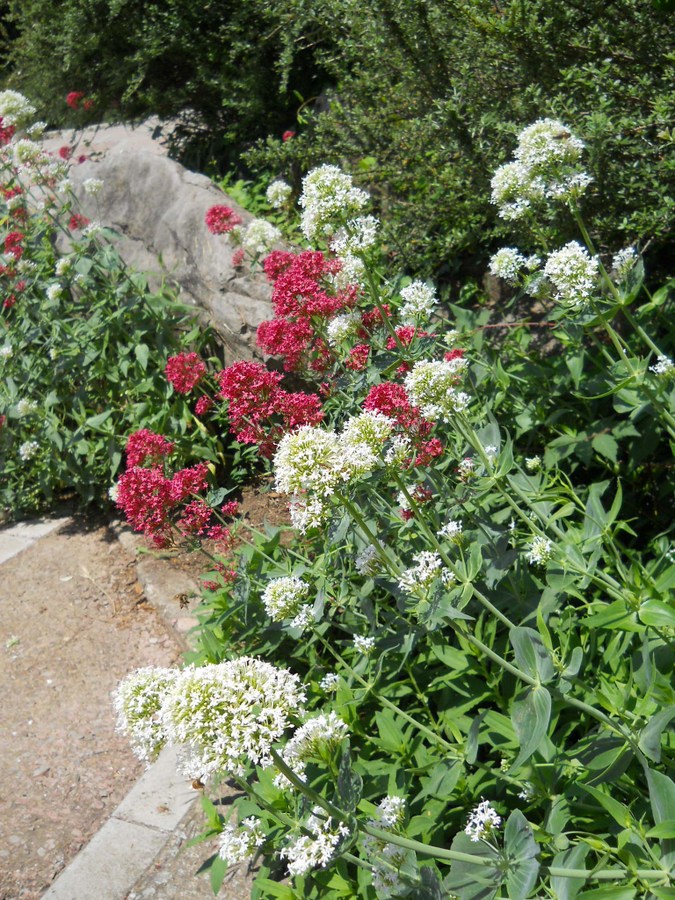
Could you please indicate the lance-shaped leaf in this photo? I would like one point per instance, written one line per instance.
(531, 654)
(530, 719)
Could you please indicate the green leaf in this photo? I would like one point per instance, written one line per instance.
(661, 795)
(663, 830)
(611, 893)
(349, 783)
(531, 653)
(614, 616)
(217, 873)
(473, 881)
(521, 849)
(619, 812)
(274, 889)
(471, 748)
(98, 420)
(142, 353)
(574, 858)
(441, 780)
(530, 719)
(606, 446)
(650, 736)
(657, 614)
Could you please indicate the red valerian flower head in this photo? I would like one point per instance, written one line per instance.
(145, 446)
(358, 357)
(406, 334)
(78, 221)
(3, 421)
(89, 104)
(144, 496)
(453, 354)
(221, 219)
(184, 371)
(12, 244)
(82, 159)
(427, 451)
(195, 518)
(287, 135)
(238, 257)
(65, 152)
(203, 405)
(9, 301)
(73, 99)
(277, 262)
(7, 132)
(187, 482)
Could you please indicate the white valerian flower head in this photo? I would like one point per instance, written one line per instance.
(260, 236)
(362, 440)
(306, 512)
(28, 450)
(452, 531)
(483, 822)
(92, 186)
(309, 459)
(364, 645)
(26, 407)
(138, 701)
(368, 561)
(432, 386)
(329, 682)
(419, 578)
(533, 463)
(54, 291)
(491, 452)
(398, 451)
(284, 597)
(546, 144)
(15, 109)
(315, 852)
(663, 367)
(317, 739)
(226, 715)
(27, 266)
(113, 492)
(419, 300)
(92, 229)
(28, 153)
(515, 189)
(36, 130)
(574, 274)
(540, 551)
(385, 857)
(352, 272)
(507, 264)
(15, 202)
(342, 327)
(63, 266)
(328, 200)
(6, 351)
(239, 843)
(278, 193)
(354, 238)
(623, 263)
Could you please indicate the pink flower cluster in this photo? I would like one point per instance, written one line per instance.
(301, 302)
(146, 446)
(7, 132)
(221, 219)
(73, 100)
(184, 371)
(260, 411)
(392, 400)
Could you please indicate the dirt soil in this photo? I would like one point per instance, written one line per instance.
(73, 622)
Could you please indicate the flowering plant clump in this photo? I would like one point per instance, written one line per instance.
(465, 589)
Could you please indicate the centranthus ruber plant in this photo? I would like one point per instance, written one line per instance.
(460, 665)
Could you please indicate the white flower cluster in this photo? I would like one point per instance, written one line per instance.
(545, 166)
(239, 843)
(364, 645)
(419, 578)
(482, 822)
(354, 238)
(540, 551)
(219, 716)
(386, 858)
(368, 561)
(431, 385)
(285, 597)
(329, 682)
(329, 200)
(36, 130)
(399, 451)
(92, 186)
(533, 463)
(26, 407)
(352, 271)
(342, 327)
(277, 193)
(63, 266)
(138, 702)
(316, 739)
(452, 531)
(28, 450)
(54, 291)
(6, 351)
(311, 462)
(15, 109)
(507, 264)
(419, 300)
(28, 153)
(623, 263)
(663, 366)
(574, 274)
(259, 236)
(315, 851)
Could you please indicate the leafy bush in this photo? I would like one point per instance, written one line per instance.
(426, 99)
(455, 680)
(84, 345)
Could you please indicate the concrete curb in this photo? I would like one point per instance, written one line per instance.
(21, 536)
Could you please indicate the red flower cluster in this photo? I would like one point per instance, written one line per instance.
(150, 500)
(406, 335)
(358, 357)
(453, 354)
(7, 132)
(261, 412)
(392, 400)
(146, 446)
(12, 244)
(287, 135)
(78, 221)
(299, 301)
(221, 219)
(73, 99)
(185, 371)
(420, 495)
(65, 152)
(203, 405)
